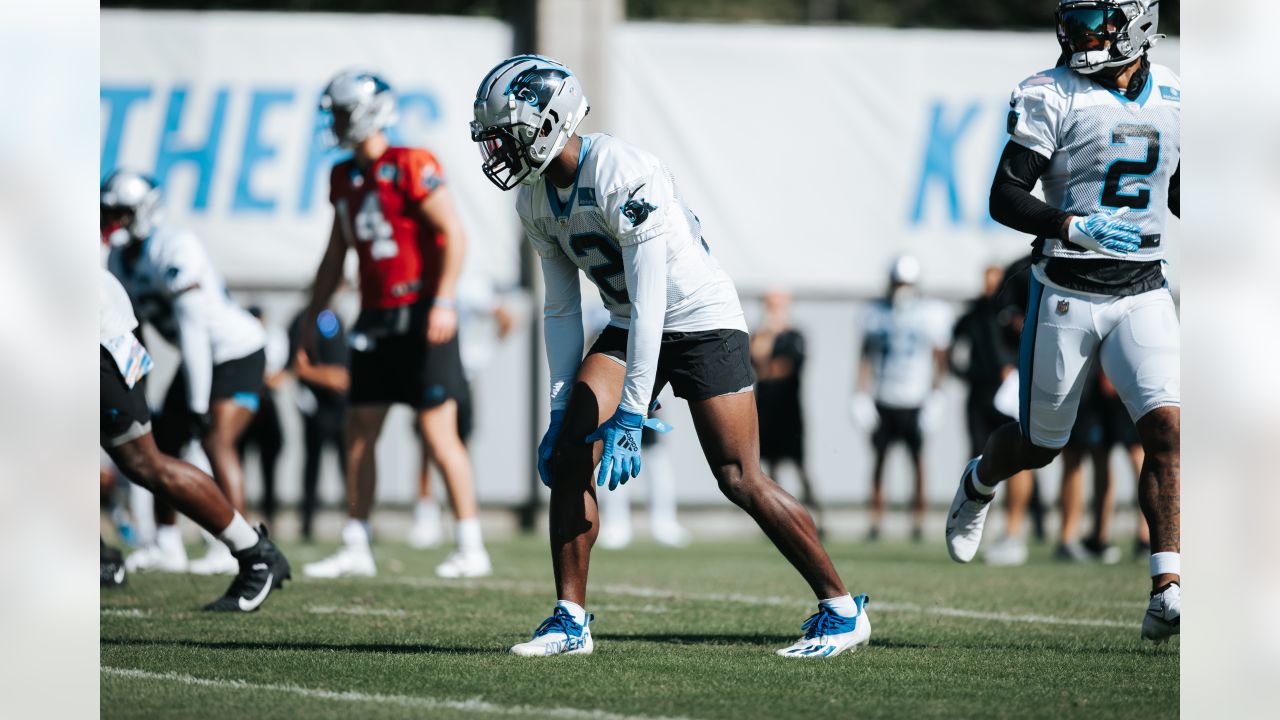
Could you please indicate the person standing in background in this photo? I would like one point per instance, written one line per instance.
(321, 398)
(778, 355)
(904, 361)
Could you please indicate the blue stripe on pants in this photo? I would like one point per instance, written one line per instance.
(1027, 355)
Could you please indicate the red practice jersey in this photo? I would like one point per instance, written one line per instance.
(400, 254)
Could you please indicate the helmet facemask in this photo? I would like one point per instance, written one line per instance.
(1105, 33)
(128, 208)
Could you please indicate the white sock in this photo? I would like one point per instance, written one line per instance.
(978, 485)
(1163, 563)
(427, 510)
(239, 534)
(356, 532)
(578, 612)
(168, 536)
(468, 534)
(843, 605)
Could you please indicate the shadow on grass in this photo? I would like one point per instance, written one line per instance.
(394, 649)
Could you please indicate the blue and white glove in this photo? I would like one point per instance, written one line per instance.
(620, 459)
(1106, 233)
(548, 445)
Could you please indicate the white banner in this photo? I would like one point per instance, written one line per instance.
(814, 155)
(221, 108)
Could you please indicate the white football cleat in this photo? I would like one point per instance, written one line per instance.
(614, 537)
(559, 634)
(425, 534)
(169, 557)
(965, 520)
(827, 633)
(1008, 551)
(671, 534)
(465, 564)
(354, 560)
(218, 561)
(1164, 615)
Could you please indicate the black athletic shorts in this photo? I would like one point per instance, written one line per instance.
(699, 365)
(240, 380)
(391, 361)
(897, 424)
(125, 415)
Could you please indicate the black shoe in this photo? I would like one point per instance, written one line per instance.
(111, 566)
(263, 568)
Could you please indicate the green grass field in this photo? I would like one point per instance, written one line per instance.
(679, 633)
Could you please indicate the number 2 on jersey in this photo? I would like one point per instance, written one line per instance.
(372, 226)
(1111, 195)
(607, 275)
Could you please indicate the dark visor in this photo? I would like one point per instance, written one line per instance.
(1090, 28)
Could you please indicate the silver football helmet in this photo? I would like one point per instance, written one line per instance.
(905, 270)
(129, 207)
(1097, 34)
(358, 104)
(526, 110)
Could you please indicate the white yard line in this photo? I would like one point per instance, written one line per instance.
(774, 600)
(415, 702)
(357, 610)
(125, 612)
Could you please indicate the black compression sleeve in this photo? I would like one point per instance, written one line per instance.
(1012, 203)
(1175, 192)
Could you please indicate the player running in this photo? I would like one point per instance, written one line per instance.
(596, 204)
(1101, 132)
(391, 204)
(125, 429)
(213, 398)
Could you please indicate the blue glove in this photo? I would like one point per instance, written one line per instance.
(1106, 233)
(620, 460)
(548, 445)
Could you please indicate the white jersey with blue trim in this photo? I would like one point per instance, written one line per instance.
(622, 197)
(899, 341)
(115, 312)
(173, 263)
(1106, 151)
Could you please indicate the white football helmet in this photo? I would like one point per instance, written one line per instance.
(526, 110)
(129, 207)
(905, 270)
(358, 104)
(1097, 34)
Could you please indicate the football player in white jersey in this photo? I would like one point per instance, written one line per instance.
(1101, 133)
(125, 430)
(596, 204)
(903, 365)
(176, 289)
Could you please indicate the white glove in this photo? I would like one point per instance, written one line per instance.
(862, 410)
(1006, 399)
(931, 411)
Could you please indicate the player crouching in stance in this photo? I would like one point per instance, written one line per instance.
(125, 429)
(1101, 132)
(594, 203)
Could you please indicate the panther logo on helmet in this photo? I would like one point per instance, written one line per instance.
(536, 86)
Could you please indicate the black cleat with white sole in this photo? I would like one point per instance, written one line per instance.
(263, 568)
(111, 572)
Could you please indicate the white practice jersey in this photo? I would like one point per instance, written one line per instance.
(174, 263)
(1105, 150)
(115, 312)
(176, 289)
(899, 341)
(625, 196)
(623, 224)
